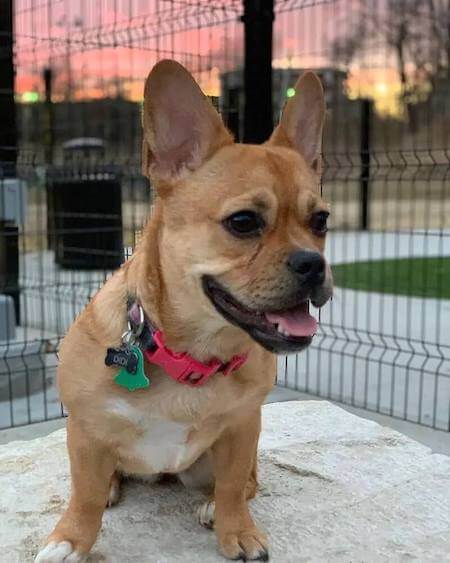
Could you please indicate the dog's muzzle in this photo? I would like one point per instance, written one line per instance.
(286, 328)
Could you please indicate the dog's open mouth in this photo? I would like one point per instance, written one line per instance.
(283, 331)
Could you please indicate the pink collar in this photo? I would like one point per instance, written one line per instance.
(182, 367)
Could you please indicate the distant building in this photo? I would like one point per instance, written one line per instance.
(114, 120)
(284, 79)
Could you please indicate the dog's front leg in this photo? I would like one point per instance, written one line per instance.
(234, 460)
(92, 466)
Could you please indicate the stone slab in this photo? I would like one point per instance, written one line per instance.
(335, 487)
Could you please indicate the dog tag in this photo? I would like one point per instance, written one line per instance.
(121, 357)
(132, 375)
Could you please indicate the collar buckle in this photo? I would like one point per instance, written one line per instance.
(181, 367)
(197, 374)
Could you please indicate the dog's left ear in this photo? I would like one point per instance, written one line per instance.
(181, 127)
(302, 121)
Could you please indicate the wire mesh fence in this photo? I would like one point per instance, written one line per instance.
(384, 342)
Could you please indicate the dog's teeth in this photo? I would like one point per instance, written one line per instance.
(282, 331)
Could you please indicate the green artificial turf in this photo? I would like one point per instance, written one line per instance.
(423, 277)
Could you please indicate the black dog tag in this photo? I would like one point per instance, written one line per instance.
(123, 357)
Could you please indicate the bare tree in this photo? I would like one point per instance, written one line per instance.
(415, 32)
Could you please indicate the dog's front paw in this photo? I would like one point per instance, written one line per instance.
(247, 545)
(59, 552)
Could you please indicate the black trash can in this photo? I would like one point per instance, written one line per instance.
(85, 208)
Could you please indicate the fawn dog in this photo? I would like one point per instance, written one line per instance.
(220, 282)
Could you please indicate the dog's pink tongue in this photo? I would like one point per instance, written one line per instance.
(297, 322)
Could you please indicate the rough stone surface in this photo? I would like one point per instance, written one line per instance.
(334, 488)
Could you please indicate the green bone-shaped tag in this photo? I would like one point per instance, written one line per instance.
(133, 381)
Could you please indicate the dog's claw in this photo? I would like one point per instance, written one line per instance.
(262, 556)
(246, 546)
(205, 514)
(114, 492)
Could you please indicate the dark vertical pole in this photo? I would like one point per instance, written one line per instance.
(48, 112)
(366, 122)
(258, 116)
(9, 263)
(47, 75)
(8, 131)
(9, 252)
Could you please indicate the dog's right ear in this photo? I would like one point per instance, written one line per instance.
(181, 127)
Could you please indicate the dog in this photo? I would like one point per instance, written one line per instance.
(166, 369)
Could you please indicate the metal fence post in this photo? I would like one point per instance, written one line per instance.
(9, 251)
(366, 123)
(8, 130)
(258, 115)
(47, 76)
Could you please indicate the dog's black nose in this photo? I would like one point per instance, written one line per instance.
(308, 265)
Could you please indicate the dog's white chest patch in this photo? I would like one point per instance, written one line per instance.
(164, 446)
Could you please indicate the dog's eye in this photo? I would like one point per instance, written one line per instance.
(318, 223)
(244, 224)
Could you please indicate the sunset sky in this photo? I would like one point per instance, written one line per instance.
(106, 48)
